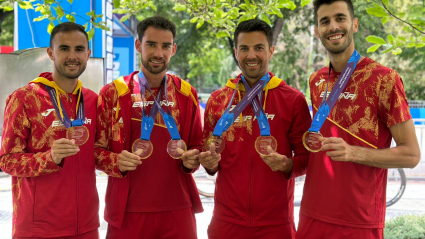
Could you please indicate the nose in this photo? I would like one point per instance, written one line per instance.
(72, 55)
(251, 54)
(333, 25)
(158, 52)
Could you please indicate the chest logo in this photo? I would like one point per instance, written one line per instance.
(320, 82)
(47, 112)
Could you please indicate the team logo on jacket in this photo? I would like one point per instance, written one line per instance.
(47, 112)
(58, 123)
(344, 95)
(253, 118)
(320, 82)
(147, 103)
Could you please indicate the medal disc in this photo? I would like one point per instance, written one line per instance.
(313, 141)
(176, 148)
(218, 142)
(79, 133)
(142, 148)
(262, 142)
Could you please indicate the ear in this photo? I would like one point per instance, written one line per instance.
(50, 53)
(355, 24)
(89, 53)
(138, 45)
(174, 49)
(316, 32)
(236, 52)
(271, 52)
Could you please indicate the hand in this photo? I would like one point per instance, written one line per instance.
(128, 161)
(210, 159)
(278, 162)
(190, 158)
(62, 148)
(339, 149)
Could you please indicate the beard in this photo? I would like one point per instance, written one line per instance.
(154, 70)
(70, 75)
(338, 49)
(253, 74)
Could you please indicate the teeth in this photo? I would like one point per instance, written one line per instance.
(252, 64)
(335, 37)
(156, 62)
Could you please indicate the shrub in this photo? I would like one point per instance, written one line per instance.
(405, 227)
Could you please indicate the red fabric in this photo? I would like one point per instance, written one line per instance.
(88, 235)
(48, 200)
(309, 228)
(219, 229)
(179, 224)
(346, 193)
(158, 184)
(247, 191)
(114, 135)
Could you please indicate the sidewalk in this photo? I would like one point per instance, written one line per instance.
(412, 202)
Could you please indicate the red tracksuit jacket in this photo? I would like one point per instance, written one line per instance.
(247, 191)
(114, 135)
(48, 200)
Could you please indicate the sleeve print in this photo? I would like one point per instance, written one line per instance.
(14, 156)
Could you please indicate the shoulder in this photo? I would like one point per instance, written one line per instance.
(184, 88)
(286, 90)
(381, 73)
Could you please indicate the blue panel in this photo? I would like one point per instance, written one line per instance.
(124, 51)
(422, 113)
(415, 113)
(34, 34)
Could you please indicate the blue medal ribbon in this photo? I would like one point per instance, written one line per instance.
(228, 118)
(329, 102)
(148, 121)
(67, 122)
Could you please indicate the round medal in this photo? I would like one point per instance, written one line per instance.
(313, 141)
(142, 148)
(78, 133)
(218, 142)
(176, 148)
(262, 142)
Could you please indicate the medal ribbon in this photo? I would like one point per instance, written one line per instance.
(329, 102)
(61, 112)
(166, 115)
(263, 123)
(228, 118)
(147, 120)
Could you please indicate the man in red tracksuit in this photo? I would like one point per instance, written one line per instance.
(253, 197)
(53, 179)
(344, 192)
(156, 198)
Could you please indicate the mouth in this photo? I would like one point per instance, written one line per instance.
(72, 64)
(335, 37)
(252, 64)
(156, 62)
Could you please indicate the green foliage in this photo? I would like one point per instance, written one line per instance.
(223, 15)
(52, 10)
(6, 35)
(406, 227)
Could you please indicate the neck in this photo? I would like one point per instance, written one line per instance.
(251, 81)
(340, 60)
(154, 80)
(66, 84)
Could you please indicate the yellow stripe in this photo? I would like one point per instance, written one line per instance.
(163, 126)
(355, 136)
(121, 86)
(273, 83)
(186, 89)
(58, 90)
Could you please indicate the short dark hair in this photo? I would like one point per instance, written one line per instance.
(67, 27)
(157, 22)
(318, 3)
(254, 25)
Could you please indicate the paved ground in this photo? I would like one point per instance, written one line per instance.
(412, 202)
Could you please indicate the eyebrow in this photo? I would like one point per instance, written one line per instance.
(154, 42)
(80, 46)
(336, 15)
(261, 44)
